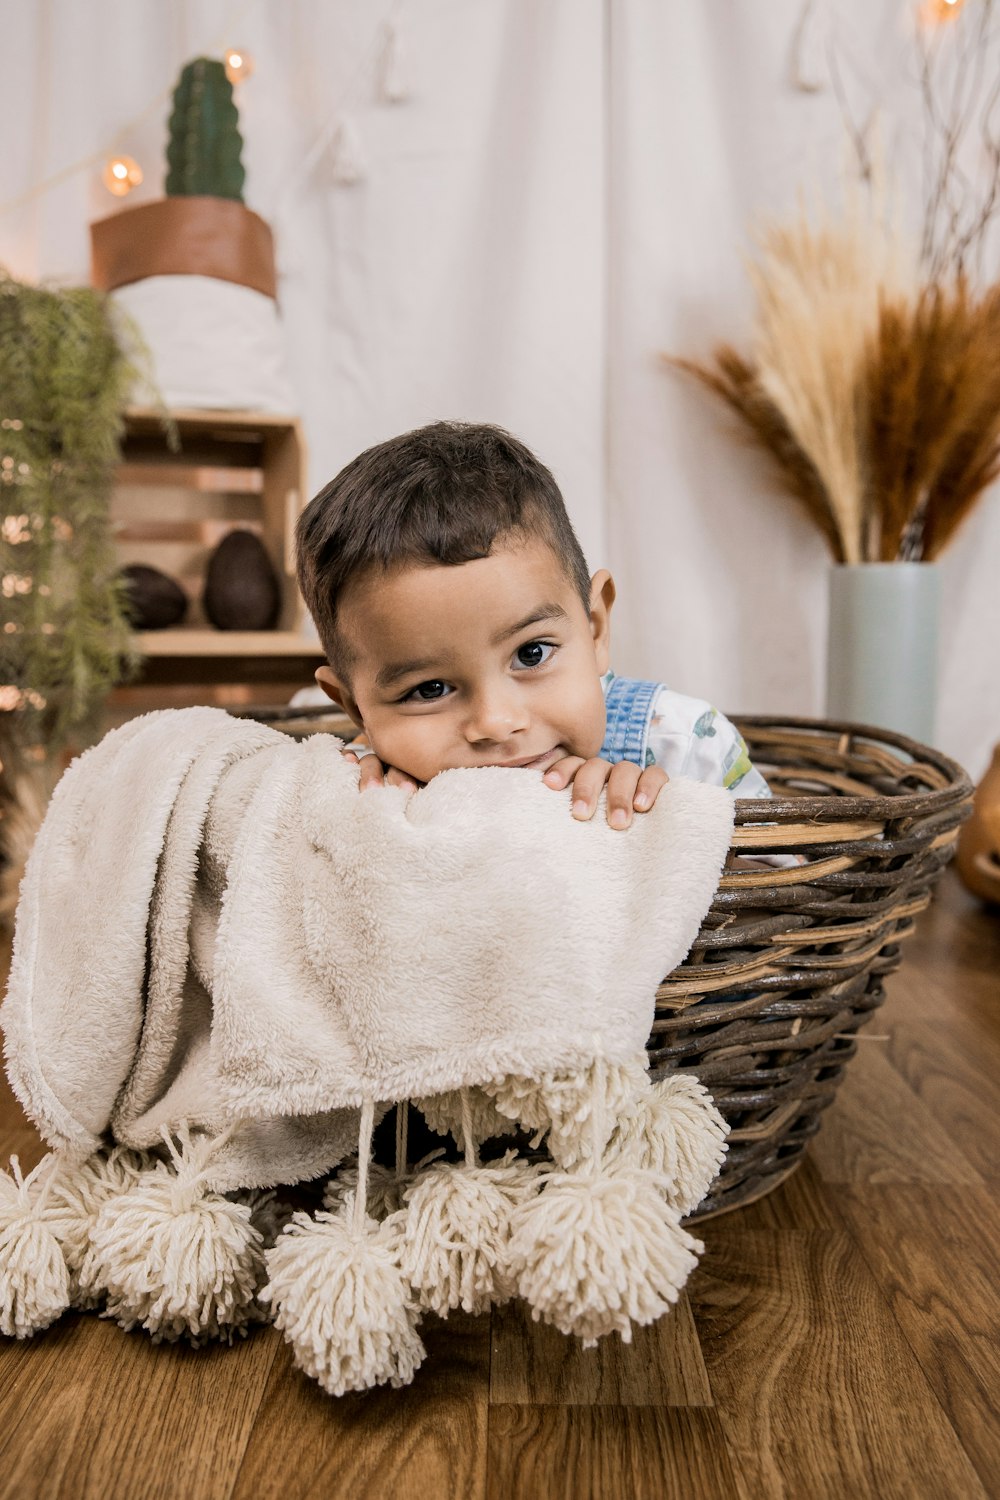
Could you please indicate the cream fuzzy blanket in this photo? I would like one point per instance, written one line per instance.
(215, 926)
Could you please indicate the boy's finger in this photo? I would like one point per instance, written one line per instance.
(587, 785)
(651, 783)
(400, 778)
(562, 772)
(372, 773)
(621, 789)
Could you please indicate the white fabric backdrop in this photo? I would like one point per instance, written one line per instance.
(565, 194)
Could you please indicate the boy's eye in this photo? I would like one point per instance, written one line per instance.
(534, 653)
(426, 692)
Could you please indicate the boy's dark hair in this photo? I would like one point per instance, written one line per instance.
(440, 494)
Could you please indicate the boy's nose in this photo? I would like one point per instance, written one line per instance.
(495, 717)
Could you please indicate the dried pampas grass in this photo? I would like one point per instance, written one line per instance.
(818, 292)
(971, 456)
(737, 383)
(878, 399)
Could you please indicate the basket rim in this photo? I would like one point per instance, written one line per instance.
(838, 809)
(774, 809)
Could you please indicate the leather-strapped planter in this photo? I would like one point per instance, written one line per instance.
(196, 274)
(184, 236)
(790, 962)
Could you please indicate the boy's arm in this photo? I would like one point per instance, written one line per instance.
(688, 737)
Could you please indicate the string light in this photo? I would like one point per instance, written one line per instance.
(934, 12)
(121, 174)
(239, 65)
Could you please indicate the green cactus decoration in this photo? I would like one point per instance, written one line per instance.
(203, 153)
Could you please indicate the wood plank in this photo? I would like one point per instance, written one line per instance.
(419, 1443)
(17, 1134)
(92, 1413)
(800, 1202)
(148, 418)
(198, 533)
(959, 1087)
(934, 1253)
(609, 1453)
(957, 945)
(26, 1145)
(816, 1389)
(877, 1131)
(229, 643)
(535, 1364)
(213, 479)
(966, 1016)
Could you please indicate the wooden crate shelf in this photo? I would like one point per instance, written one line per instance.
(171, 508)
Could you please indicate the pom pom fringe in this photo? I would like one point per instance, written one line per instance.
(34, 1278)
(677, 1133)
(385, 1190)
(77, 1196)
(562, 1107)
(268, 1213)
(175, 1258)
(443, 1113)
(338, 1293)
(593, 1243)
(454, 1235)
(594, 1254)
(342, 1302)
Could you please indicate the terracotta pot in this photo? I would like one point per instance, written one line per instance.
(189, 236)
(978, 854)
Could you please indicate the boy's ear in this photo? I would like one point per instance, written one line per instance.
(335, 689)
(602, 597)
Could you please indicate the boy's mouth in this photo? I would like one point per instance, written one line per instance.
(533, 762)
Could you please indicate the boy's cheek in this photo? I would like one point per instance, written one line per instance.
(408, 753)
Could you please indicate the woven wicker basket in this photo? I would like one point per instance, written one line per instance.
(790, 962)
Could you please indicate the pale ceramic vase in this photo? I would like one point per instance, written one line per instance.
(882, 646)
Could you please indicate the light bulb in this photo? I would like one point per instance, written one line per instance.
(937, 12)
(121, 174)
(239, 64)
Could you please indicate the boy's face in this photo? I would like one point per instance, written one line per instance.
(491, 662)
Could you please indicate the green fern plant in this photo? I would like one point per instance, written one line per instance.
(65, 638)
(203, 152)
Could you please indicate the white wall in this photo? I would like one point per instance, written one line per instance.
(565, 194)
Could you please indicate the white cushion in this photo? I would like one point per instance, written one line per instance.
(212, 343)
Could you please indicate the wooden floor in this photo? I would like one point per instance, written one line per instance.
(840, 1338)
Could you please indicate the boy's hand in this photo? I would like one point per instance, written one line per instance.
(373, 772)
(630, 789)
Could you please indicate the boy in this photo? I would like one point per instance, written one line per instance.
(462, 629)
